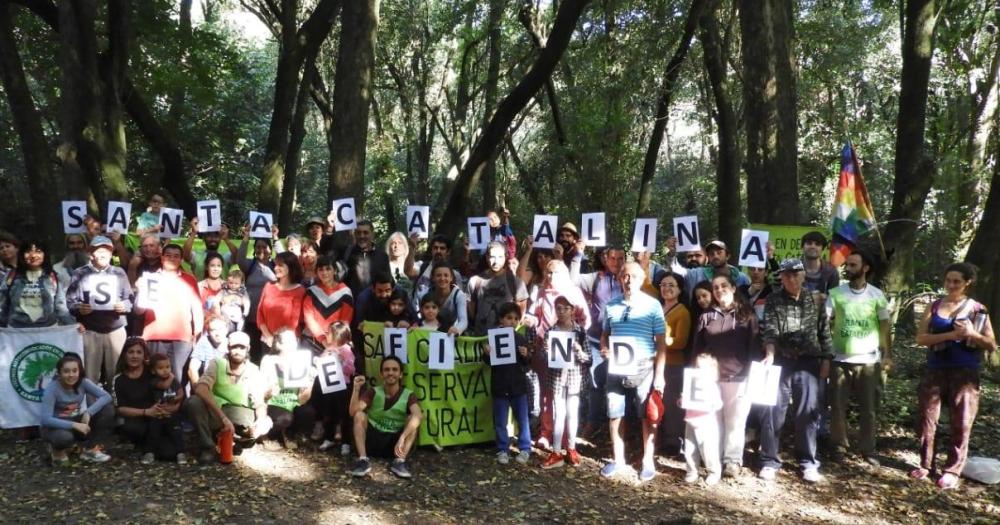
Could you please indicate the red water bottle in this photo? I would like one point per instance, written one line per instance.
(225, 447)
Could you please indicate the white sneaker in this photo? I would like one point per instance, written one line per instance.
(691, 477)
(345, 450)
(523, 457)
(147, 458)
(182, 459)
(767, 473)
(713, 479)
(812, 476)
(326, 445)
(96, 455)
(503, 457)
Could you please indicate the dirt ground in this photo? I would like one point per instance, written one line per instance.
(465, 485)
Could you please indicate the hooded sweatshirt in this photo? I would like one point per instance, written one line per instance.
(731, 342)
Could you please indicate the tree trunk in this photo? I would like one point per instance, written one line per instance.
(44, 186)
(984, 251)
(770, 112)
(727, 164)
(352, 96)
(914, 167)
(294, 155)
(453, 218)
(179, 95)
(664, 98)
(493, 40)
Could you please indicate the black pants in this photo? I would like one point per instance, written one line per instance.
(161, 437)
(301, 419)
(332, 410)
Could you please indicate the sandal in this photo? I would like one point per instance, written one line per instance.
(948, 481)
(919, 473)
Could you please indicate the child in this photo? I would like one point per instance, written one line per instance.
(169, 397)
(210, 346)
(398, 316)
(429, 314)
(333, 407)
(565, 385)
(66, 416)
(701, 434)
(286, 405)
(510, 390)
(233, 302)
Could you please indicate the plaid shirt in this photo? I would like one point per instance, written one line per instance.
(785, 315)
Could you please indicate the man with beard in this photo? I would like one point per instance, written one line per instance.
(76, 257)
(821, 276)
(386, 420)
(363, 259)
(440, 251)
(229, 396)
(148, 260)
(100, 297)
(718, 263)
(681, 263)
(212, 240)
(492, 288)
(862, 341)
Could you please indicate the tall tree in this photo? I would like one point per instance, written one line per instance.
(494, 38)
(770, 111)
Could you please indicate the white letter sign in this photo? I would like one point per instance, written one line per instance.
(345, 215)
(544, 235)
(686, 231)
(441, 351)
(297, 370)
(73, 212)
(171, 220)
(594, 233)
(622, 361)
(644, 237)
(503, 349)
(701, 390)
(479, 232)
(753, 249)
(260, 225)
(394, 342)
(561, 349)
(331, 374)
(101, 292)
(209, 216)
(417, 219)
(762, 383)
(119, 216)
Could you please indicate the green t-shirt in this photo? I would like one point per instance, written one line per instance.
(856, 315)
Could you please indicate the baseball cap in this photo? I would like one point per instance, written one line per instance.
(101, 240)
(239, 339)
(717, 244)
(791, 265)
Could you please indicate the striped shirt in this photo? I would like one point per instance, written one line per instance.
(641, 317)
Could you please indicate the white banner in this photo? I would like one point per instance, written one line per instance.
(28, 358)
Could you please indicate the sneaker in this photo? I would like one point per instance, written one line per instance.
(326, 445)
(554, 460)
(503, 457)
(400, 468)
(147, 458)
(713, 479)
(317, 433)
(947, 481)
(271, 445)
(691, 477)
(345, 450)
(611, 469)
(95, 455)
(731, 470)
(522, 457)
(208, 457)
(812, 475)
(361, 467)
(647, 473)
(59, 458)
(573, 457)
(872, 460)
(182, 459)
(767, 473)
(542, 443)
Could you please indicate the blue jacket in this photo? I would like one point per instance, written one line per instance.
(54, 309)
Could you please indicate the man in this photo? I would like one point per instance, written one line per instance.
(173, 315)
(639, 317)
(821, 276)
(229, 396)
(212, 240)
(718, 262)
(100, 297)
(688, 260)
(150, 250)
(363, 259)
(439, 251)
(796, 338)
(573, 249)
(386, 420)
(492, 288)
(76, 257)
(599, 288)
(862, 340)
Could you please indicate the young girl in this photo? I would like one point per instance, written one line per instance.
(285, 405)
(429, 314)
(565, 386)
(66, 416)
(701, 434)
(398, 316)
(333, 407)
(510, 391)
(169, 396)
(233, 302)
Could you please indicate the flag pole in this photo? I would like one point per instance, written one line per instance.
(864, 190)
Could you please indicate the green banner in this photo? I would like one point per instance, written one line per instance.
(787, 240)
(457, 405)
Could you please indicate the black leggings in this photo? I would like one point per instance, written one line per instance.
(300, 419)
(333, 410)
(162, 437)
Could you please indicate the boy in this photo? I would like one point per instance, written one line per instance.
(510, 390)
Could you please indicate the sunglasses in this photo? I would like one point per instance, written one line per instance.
(628, 310)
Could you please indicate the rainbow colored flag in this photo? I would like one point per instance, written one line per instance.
(852, 209)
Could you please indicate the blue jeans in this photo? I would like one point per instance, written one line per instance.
(799, 378)
(501, 406)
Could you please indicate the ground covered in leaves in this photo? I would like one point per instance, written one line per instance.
(466, 485)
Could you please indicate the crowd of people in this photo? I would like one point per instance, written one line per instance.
(176, 337)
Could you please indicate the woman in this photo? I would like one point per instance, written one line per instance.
(453, 312)
(288, 407)
(956, 330)
(678, 319)
(326, 302)
(211, 285)
(144, 421)
(531, 267)
(258, 272)
(31, 296)
(401, 266)
(67, 417)
(728, 333)
(281, 301)
(308, 255)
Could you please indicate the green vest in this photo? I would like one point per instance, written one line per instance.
(225, 391)
(286, 398)
(392, 420)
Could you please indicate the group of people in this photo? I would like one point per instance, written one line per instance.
(205, 337)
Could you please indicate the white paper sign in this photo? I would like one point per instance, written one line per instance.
(149, 292)
(622, 360)
(441, 351)
(344, 214)
(762, 383)
(331, 374)
(298, 370)
(644, 236)
(593, 232)
(73, 213)
(119, 216)
(417, 220)
(171, 220)
(479, 232)
(503, 348)
(561, 350)
(101, 292)
(687, 233)
(209, 216)
(753, 249)
(544, 231)
(701, 390)
(260, 225)
(394, 343)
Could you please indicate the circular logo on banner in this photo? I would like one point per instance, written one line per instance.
(32, 368)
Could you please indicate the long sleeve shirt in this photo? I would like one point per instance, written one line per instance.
(60, 407)
(323, 306)
(89, 285)
(281, 308)
(797, 327)
(33, 299)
